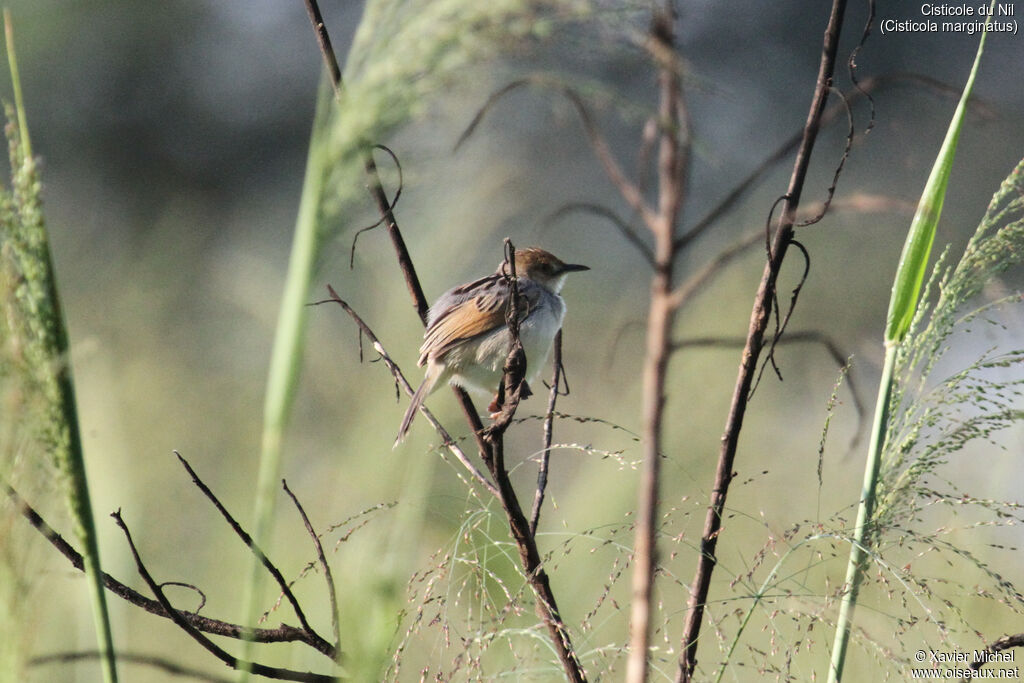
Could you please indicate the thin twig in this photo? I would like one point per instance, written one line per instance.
(332, 594)
(760, 316)
(549, 419)
(831, 191)
(782, 322)
(391, 206)
(449, 443)
(211, 647)
(282, 634)
(247, 539)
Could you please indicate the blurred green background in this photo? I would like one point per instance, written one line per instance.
(174, 138)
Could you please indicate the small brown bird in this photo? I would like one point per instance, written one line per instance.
(467, 340)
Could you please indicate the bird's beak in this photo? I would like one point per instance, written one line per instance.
(572, 267)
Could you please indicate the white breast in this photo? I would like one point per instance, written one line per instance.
(536, 332)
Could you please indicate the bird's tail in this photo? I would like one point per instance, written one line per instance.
(414, 407)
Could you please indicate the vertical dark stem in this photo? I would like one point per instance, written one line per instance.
(324, 39)
(759, 318)
(493, 454)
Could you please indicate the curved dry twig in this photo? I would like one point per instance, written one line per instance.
(831, 191)
(391, 206)
(780, 324)
(190, 586)
(630, 192)
(625, 228)
(851, 65)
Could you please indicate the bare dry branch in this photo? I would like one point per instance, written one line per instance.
(211, 647)
(671, 168)
(282, 634)
(247, 539)
(759, 318)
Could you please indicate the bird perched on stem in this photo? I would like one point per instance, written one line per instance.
(467, 339)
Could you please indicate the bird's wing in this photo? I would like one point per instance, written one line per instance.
(473, 315)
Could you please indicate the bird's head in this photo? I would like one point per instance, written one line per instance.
(542, 267)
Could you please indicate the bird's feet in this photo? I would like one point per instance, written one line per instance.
(498, 402)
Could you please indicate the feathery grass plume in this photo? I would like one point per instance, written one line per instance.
(932, 420)
(36, 353)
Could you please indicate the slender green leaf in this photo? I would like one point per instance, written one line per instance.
(906, 288)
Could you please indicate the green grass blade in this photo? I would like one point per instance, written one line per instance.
(47, 351)
(906, 287)
(855, 566)
(906, 291)
(289, 339)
